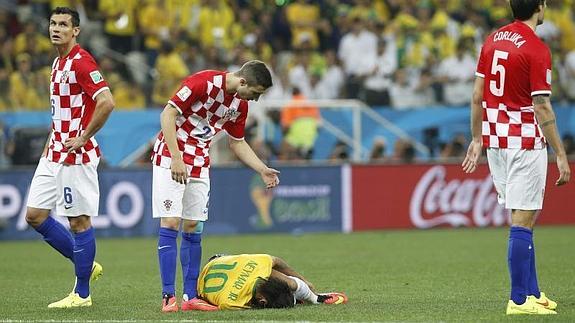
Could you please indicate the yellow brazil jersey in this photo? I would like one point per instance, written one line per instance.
(229, 281)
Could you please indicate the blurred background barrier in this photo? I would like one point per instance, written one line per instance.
(310, 199)
(346, 132)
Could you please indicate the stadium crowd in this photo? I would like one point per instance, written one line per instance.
(403, 54)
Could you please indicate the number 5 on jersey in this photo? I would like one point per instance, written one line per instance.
(498, 68)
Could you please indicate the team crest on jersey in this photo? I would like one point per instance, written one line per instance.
(65, 76)
(184, 93)
(96, 77)
(231, 113)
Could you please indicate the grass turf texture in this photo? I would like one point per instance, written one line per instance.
(435, 275)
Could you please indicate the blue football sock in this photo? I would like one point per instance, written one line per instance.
(167, 254)
(533, 284)
(84, 254)
(57, 236)
(190, 257)
(518, 259)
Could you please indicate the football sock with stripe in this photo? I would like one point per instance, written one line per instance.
(84, 254)
(167, 254)
(57, 236)
(190, 257)
(518, 259)
(533, 284)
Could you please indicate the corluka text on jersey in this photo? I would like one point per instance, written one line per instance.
(513, 37)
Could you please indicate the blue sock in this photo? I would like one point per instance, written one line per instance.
(190, 257)
(84, 254)
(533, 284)
(57, 236)
(518, 259)
(167, 254)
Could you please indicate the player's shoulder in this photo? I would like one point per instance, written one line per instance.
(83, 59)
(202, 78)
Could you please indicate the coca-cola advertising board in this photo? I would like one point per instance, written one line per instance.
(427, 196)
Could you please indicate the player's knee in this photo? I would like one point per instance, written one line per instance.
(80, 223)
(170, 223)
(193, 226)
(35, 217)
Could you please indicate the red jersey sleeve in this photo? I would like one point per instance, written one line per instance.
(237, 129)
(189, 93)
(481, 64)
(540, 72)
(89, 77)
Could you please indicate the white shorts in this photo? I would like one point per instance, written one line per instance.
(189, 201)
(519, 177)
(70, 190)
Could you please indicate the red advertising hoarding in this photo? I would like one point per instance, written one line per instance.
(426, 196)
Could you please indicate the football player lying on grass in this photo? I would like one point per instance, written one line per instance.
(256, 281)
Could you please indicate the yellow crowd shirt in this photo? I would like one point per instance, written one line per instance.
(229, 281)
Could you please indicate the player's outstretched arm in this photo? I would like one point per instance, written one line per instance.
(104, 106)
(246, 154)
(546, 119)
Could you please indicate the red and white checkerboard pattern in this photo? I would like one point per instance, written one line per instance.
(72, 106)
(206, 111)
(516, 129)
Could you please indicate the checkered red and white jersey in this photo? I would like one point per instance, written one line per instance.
(205, 109)
(74, 84)
(515, 65)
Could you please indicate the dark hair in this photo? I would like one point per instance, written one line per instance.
(276, 292)
(256, 73)
(524, 9)
(67, 11)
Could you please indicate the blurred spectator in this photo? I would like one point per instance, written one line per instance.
(154, 25)
(120, 22)
(377, 153)
(454, 150)
(300, 73)
(4, 161)
(358, 53)
(303, 17)
(457, 74)
(328, 85)
(566, 69)
(171, 70)
(30, 35)
(569, 144)
(378, 84)
(340, 152)
(215, 23)
(406, 94)
(403, 151)
(23, 90)
(126, 96)
(299, 122)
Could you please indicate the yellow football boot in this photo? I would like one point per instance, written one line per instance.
(97, 272)
(529, 307)
(72, 300)
(545, 302)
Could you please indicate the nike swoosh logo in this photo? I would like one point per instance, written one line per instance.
(545, 304)
(162, 247)
(79, 250)
(68, 206)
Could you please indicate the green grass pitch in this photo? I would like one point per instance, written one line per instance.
(437, 275)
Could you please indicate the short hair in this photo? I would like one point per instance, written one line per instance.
(277, 293)
(524, 9)
(67, 11)
(256, 73)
